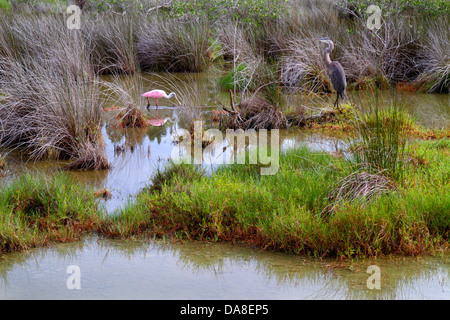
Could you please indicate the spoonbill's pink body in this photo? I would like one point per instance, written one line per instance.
(157, 94)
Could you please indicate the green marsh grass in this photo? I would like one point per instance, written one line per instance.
(284, 211)
(383, 139)
(36, 210)
(5, 4)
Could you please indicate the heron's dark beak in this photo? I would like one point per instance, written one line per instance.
(324, 40)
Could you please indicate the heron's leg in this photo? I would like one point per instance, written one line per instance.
(336, 103)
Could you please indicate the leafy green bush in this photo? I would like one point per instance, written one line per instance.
(249, 12)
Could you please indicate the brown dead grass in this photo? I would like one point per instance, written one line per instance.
(131, 118)
(104, 193)
(256, 113)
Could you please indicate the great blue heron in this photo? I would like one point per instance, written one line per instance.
(336, 72)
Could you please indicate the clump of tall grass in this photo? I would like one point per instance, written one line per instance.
(50, 106)
(172, 171)
(110, 39)
(359, 187)
(382, 56)
(233, 79)
(374, 58)
(256, 113)
(304, 67)
(433, 60)
(251, 71)
(173, 45)
(383, 139)
(131, 117)
(301, 64)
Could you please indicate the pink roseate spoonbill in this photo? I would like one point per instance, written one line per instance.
(157, 94)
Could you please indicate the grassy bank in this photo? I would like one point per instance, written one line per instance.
(389, 196)
(316, 204)
(38, 211)
(302, 208)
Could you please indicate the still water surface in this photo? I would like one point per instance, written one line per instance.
(116, 269)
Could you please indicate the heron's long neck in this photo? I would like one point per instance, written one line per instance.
(327, 53)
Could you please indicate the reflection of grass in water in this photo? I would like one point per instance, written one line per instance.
(400, 278)
(335, 279)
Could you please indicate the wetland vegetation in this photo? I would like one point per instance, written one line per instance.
(387, 193)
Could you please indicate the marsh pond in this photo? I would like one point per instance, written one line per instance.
(301, 149)
(156, 269)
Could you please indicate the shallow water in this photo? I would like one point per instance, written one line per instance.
(126, 270)
(116, 269)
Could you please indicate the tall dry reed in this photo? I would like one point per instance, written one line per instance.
(50, 97)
